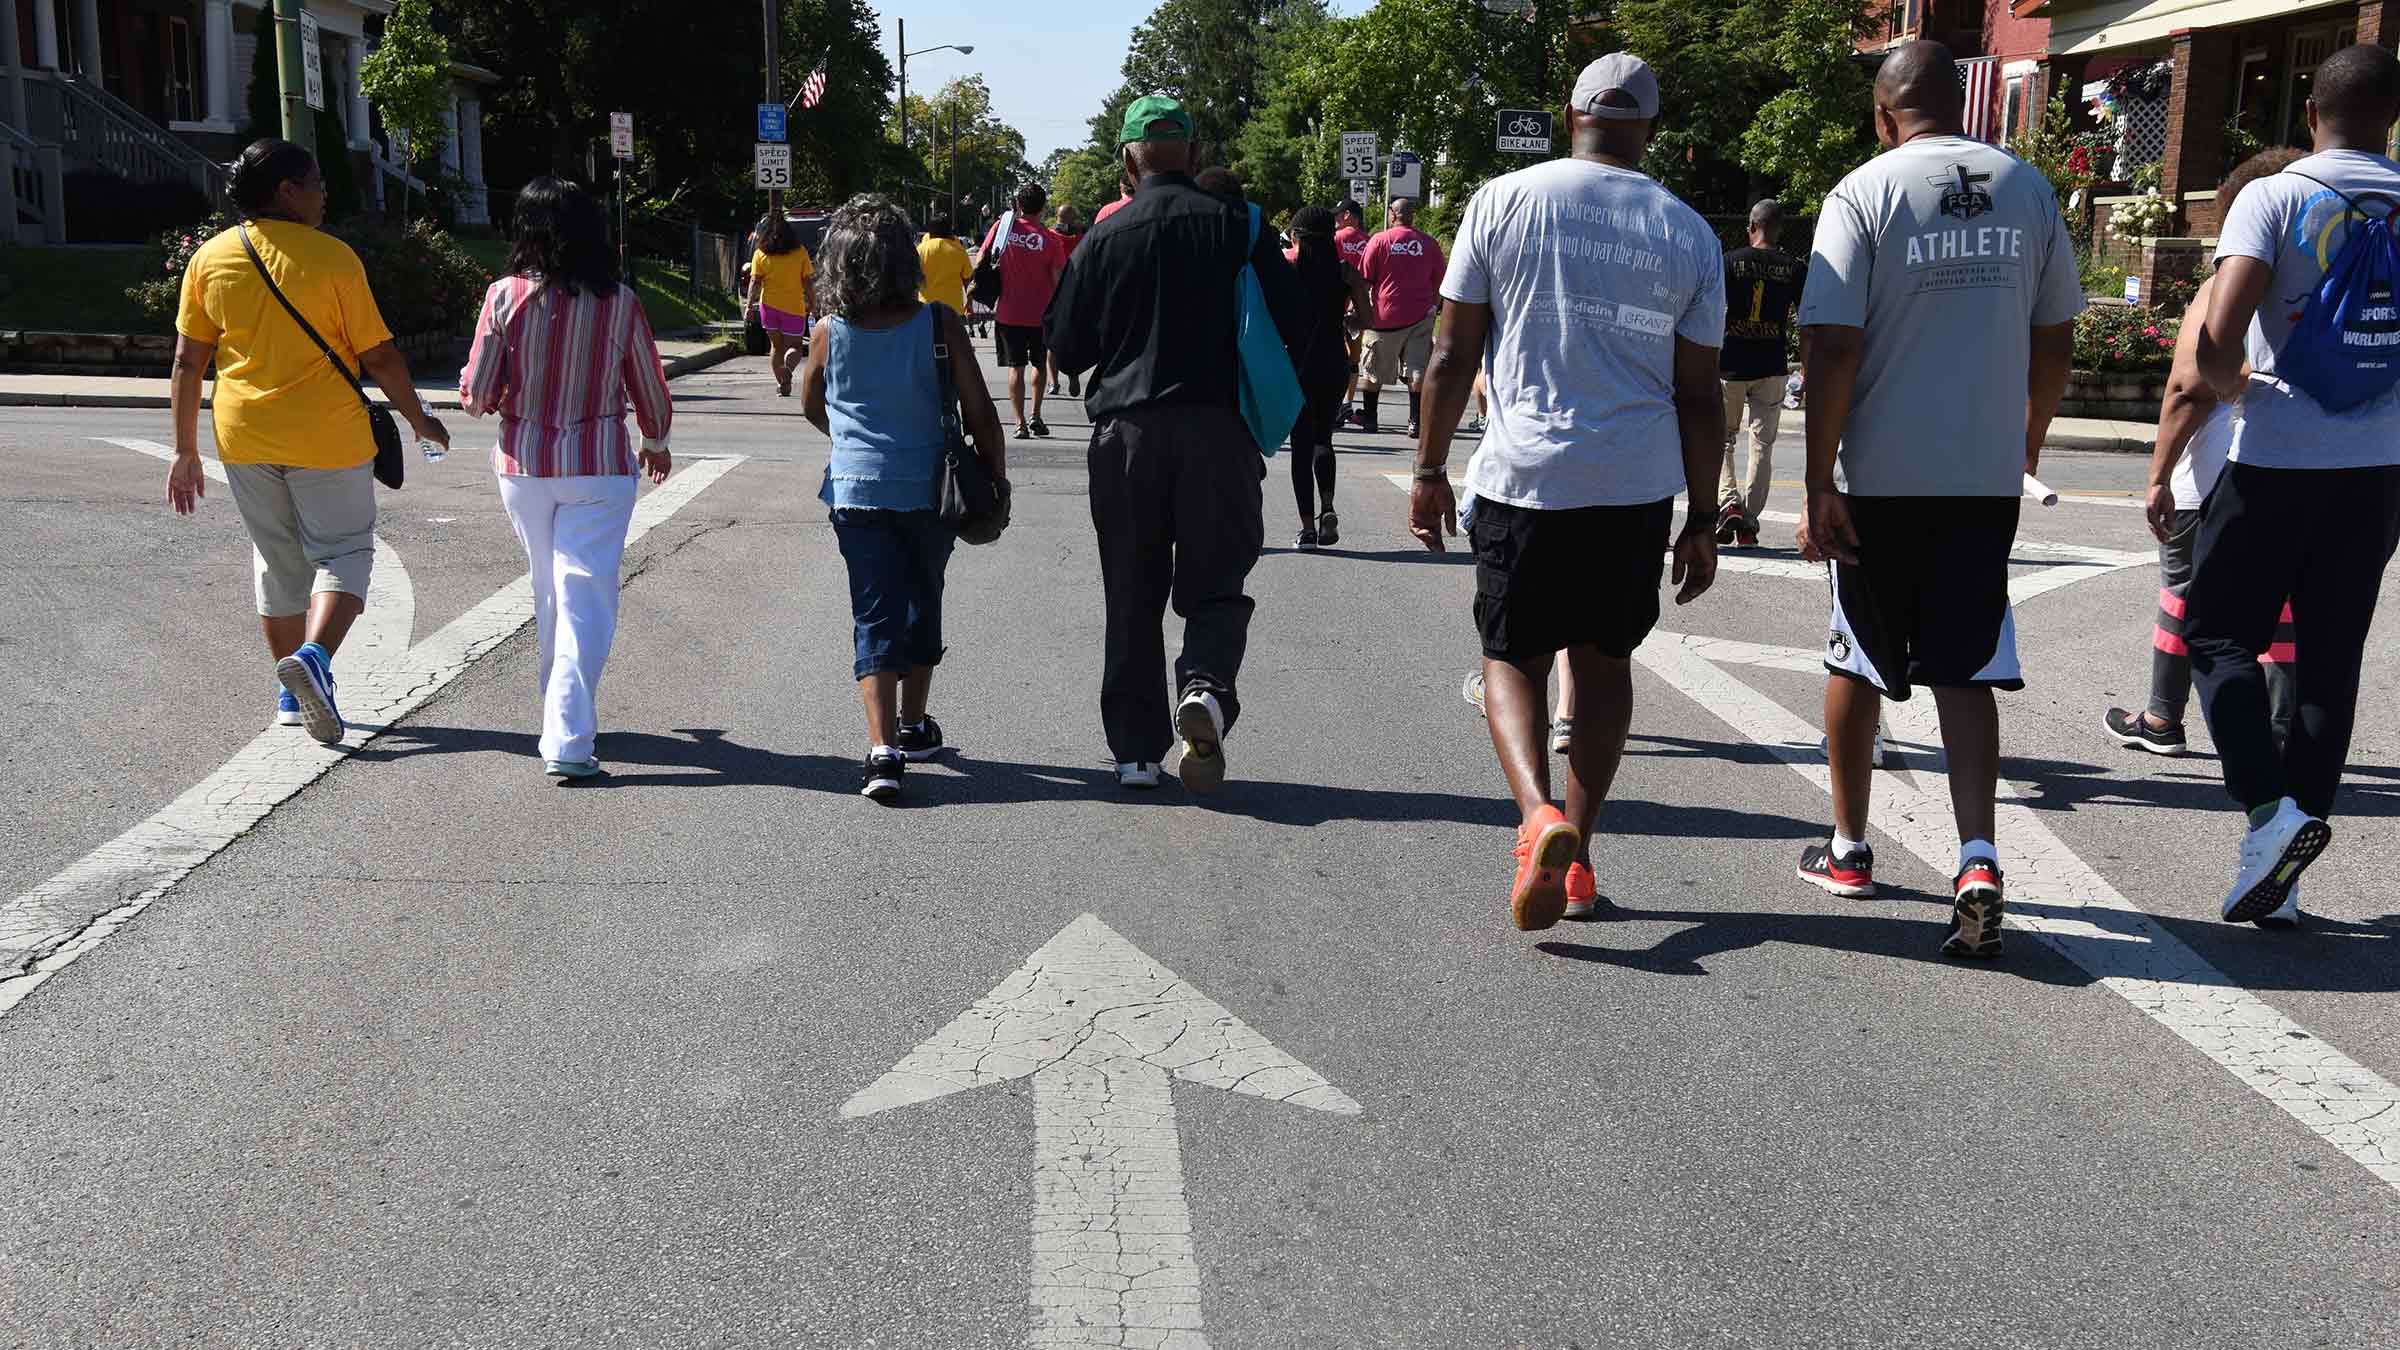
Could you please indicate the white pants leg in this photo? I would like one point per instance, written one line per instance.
(579, 525)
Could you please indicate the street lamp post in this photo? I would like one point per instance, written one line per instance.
(901, 46)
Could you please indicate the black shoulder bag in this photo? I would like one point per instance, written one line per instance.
(984, 287)
(391, 466)
(973, 503)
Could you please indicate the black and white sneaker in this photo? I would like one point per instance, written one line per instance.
(1040, 427)
(1411, 432)
(880, 781)
(1329, 527)
(1976, 911)
(2133, 731)
(921, 741)
(1306, 540)
(2272, 858)
(1137, 775)
(1562, 735)
(1851, 875)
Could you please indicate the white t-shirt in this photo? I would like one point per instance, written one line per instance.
(1948, 253)
(2298, 228)
(1592, 272)
(2203, 458)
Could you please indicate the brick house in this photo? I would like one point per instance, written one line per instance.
(2016, 88)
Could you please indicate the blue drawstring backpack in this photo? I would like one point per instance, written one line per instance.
(2345, 348)
(1270, 387)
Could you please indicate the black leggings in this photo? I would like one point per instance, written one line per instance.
(1312, 445)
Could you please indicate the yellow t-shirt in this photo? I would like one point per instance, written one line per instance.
(947, 272)
(278, 400)
(784, 277)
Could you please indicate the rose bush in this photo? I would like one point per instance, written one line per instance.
(423, 281)
(2126, 339)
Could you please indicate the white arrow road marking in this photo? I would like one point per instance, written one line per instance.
(1102, 1027)
(47, 928)
(383, 630)
(2064, 902)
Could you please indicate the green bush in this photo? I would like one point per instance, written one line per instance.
(423, 281)
(2126, 339)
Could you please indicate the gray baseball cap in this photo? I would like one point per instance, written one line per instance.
(1615, 71)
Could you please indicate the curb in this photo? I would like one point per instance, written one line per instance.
(676, 367)
(2104, 442)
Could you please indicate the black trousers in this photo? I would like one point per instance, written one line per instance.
(2321, 537)
(1312, 442)
(1175, 502)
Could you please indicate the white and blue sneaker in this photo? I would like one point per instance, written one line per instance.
(287, 708)
(307, 678)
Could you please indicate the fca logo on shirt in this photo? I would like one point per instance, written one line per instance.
(1963, 195)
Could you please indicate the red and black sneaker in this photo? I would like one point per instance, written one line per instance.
(1729, 522)
(1975, 915)
(1747, 536)
(1851, 875)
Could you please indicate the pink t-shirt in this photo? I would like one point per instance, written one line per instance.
(1403, 268)
(1111, 209)
(1351, 241)
(1029, 271)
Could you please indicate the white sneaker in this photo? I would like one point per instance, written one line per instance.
(1825, 748)
(2286, 917)
(1201, 724)
(1137, 774)
(2272, 858)
(1472, 691)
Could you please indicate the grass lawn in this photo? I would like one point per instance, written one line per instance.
(73, 290)
(664, 289)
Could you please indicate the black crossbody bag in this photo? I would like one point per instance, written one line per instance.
(973, 503)
(391, 466)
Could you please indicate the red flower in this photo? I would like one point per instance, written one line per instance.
(2151, 331)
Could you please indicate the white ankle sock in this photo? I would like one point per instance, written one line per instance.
(1843, 848)
(1977, 848)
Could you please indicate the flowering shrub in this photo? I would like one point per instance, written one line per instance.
(2145, 217)
(423, 281)
(2126, 339)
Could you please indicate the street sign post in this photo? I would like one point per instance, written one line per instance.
(1524, 131)
(1362, 190)
(1406, 177)
(1358, 154)
(774, 165)
(312, 61)
(770, 123)
(620, 135)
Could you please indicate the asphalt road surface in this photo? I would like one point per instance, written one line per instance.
(405, 1046)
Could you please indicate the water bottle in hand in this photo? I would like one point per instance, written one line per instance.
(431, 449)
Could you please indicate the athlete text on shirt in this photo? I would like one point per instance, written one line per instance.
(1983, 241)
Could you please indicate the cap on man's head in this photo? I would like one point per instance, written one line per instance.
(1143, 118)
(1617, 72)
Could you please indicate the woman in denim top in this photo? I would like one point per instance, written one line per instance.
(871, 386)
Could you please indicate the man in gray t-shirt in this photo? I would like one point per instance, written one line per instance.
(2309, 502)
(1939, 310)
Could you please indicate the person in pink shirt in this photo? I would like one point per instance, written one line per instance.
(1032, 257)
(1350, 241)
(1403, 267)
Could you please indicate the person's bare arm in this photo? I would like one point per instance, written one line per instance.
(1700, 425)
(187, 483)
(812, 387)
(2045, 385)
(2239, 287)
(1449, 382)
(1831, 378)
(975, 407)
(389, 368)
(2188, 403)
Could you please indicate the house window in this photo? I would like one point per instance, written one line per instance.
(2012, 103)
(2309, 48)
(181, 106)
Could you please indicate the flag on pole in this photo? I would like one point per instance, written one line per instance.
(813, 88)
(1979, 79)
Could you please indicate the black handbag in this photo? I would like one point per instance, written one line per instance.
(391, 465)
(972, 501)
(984, 287)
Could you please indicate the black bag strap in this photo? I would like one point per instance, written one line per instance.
(2390, 203)
(305, 326)
(941, 363)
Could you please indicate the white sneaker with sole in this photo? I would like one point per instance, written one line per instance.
(1201, 725)
(1137, 774)
(2273, 856)
(2286, 917)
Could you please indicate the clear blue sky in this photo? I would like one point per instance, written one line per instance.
(1050, 65)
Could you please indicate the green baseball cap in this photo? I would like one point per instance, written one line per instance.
(1151, 108)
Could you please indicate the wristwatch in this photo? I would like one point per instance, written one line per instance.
(1427, 475)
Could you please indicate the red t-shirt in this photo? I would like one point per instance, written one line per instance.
(1351, 242)
(1403, 268)
(1029, 271)
(1111, 209)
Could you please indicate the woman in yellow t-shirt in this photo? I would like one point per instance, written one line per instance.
(291, 430)
(944, 262)
(779, 291)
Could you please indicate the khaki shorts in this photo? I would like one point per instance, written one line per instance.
(311, 530)
(1394, 355)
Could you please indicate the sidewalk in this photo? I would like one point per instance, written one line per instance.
(2101, 433)
(84, 391)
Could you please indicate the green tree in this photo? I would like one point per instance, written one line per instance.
(961, 143)
(407, 77)
(1812, 132)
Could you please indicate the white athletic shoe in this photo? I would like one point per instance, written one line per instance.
(1201, 725)
(1825, 748)
(2286, 917)
(1137, 774)
(2273, 856)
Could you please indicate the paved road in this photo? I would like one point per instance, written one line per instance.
(436, 1053)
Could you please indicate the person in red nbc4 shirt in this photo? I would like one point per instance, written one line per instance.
(1032, 257)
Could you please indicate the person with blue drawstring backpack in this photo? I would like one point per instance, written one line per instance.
(1182, 306)
(2302, 335)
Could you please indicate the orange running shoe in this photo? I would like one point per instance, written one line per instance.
(1583, 892)
(1546, 846)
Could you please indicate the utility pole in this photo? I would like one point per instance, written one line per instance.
(299, 124)
(953, 202)
(771, 17)
(901, 47)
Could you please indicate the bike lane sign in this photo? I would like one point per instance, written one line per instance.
(1524, 132)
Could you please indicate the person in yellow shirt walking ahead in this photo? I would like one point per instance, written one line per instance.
(779, 277)
(947, 267)
(291, 429)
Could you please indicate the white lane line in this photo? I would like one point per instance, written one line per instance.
(383, 631)
(2065, 903)
(49, 927)
(1101, 1027)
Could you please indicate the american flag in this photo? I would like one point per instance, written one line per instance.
(812, 88)
(1980, 78)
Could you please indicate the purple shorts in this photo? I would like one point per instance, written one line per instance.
(782, 321)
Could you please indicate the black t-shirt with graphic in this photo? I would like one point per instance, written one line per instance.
(1761, 286)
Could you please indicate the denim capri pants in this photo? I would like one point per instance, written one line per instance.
(896, 561)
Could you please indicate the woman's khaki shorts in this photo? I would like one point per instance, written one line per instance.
(1396, 355)
(311, 530)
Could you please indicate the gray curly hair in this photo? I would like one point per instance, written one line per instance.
(869, 257)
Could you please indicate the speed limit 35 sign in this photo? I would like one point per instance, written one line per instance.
(774, 164)
(1524, 131)
(1358, 155)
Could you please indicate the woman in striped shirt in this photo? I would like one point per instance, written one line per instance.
(562, 345)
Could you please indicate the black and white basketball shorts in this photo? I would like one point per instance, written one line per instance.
(1927, 601)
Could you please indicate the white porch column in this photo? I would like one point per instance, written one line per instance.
(450, 135)
(14, 60)
(45, 34)
(361, 117)
(470, 140)
(216, 58)
(87, 39)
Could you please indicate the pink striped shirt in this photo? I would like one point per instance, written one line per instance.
(559, 370)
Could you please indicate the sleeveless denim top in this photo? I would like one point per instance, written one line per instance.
(881, 400)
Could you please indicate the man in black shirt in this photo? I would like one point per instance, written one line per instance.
(1150, 305)
(1762, 283)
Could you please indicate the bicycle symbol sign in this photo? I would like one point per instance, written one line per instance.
(1524, 132)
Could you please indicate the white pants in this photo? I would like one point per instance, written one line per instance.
(573, 530)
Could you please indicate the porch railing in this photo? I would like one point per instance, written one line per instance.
(32, 189)
(96, 127)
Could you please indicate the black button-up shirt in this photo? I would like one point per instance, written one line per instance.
(1149, 301)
